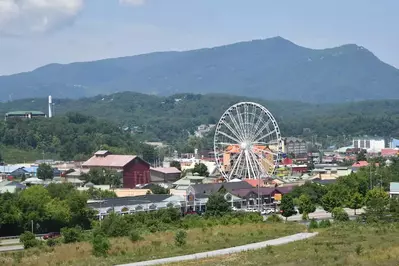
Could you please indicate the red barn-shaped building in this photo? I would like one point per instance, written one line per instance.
(134, 170)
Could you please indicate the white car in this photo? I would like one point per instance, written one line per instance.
(267, 211)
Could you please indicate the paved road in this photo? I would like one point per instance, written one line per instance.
(221, 252)
(8, 242)
(11, 248)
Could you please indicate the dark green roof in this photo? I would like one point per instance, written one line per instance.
(25, 113)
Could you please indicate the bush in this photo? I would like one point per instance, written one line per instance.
(53, 242)
(28, 240)
(340, 215)
(274, 218)
(72, 235)
(313, 224)
(115, 226)
(324, 224)
(180, 238)
(134, 236)
(100, 245)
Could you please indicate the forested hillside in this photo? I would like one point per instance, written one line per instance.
(72, 136)
(172, 118)
(272, 69)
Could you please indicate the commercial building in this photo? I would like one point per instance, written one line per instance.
(295, 146)
(371, 145)
(164, 174)
(135, 171)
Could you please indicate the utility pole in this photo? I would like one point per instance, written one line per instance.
(371, 180)
(32, 225)
(259, 194)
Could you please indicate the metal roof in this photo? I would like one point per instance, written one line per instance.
(109, 161)
(10, 168)
(394, 187)
(125, 201)
(25, 113)
(167, 170)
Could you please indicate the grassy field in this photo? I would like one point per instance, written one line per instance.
(153, 246)
(339, 245)
(14, 155)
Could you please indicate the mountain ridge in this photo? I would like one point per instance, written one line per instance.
(274, 69)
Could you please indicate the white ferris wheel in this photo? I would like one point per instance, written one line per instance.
(247, 142)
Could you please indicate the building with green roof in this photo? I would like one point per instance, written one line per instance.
(24, 114)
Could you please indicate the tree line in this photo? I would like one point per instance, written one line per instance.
(154, 118)
(73, 136)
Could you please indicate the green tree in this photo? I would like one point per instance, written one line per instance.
(44, 171)
(60, 191)
(287, 206)
(96, 193)
(330, 201)
(59, 214)
(339, 214)
(155, 189)
(175, 164)
(201, 169)
(28, 240)
(72, 235)
(356, 201)
(33, 204)
(306, 206)
(377, 205)
(361, 156)
(217, 205)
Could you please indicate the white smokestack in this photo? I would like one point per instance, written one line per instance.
(50, 106)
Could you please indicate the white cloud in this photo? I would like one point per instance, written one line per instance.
(20, 17)
(132, 2)
(24, 17)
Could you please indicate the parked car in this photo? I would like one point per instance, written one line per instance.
(267, 211)
(51, 235)
(190, 213)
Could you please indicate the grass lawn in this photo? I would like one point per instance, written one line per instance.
(350, 244)
(153, 246)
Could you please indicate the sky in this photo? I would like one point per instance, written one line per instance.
(34, 33)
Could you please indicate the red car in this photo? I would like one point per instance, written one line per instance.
(190, 212)
(51, 235)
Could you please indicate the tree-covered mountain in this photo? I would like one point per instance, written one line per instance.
(269, 69)
(172, 118)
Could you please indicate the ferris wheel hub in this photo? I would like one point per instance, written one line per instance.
(245, 145)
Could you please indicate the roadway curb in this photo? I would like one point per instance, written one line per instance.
(226, 251)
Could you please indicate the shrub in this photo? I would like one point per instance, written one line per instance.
(134, 236)
(100, 245)
(115, 225)
(72, 235)
(313, 224)
(359, 249)
(274, 218)
(180, 238)
(269, 250)
(28, 240)
(53, 242)
(324, 224)
(340, 215)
